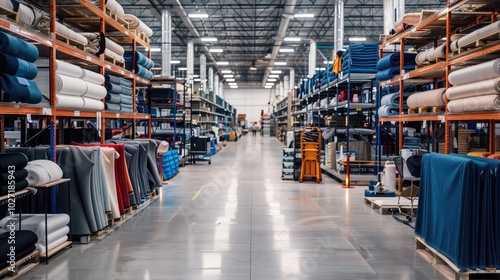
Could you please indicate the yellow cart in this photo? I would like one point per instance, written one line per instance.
(310, 146)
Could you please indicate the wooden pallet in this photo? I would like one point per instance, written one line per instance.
(446, 267)
(118, 19)
(65, 39)
(56, 249)
(114, 61)
(422, 110)
(22, 266)
(141, 35)
(389, 205)
(9, 14)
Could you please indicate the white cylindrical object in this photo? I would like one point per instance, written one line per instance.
(390, 175)
(166, 43)
(312, 59)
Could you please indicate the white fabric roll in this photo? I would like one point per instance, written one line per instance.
(53, 235)
(52, 245)
(480, 72)
(479, 34)
(36, 222)
(487, 87)
(476, 103)
(26, 14)
(70, 85)
(430, 98)
(95, 91)
(68, 69)
(114, 55)
(92, 77)
(136, 23)
(42, 171)
(69, 102)
(7, 4)
(163, 147)
(111, 45)
(90, 104)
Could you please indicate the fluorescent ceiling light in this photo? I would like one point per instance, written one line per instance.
(320, 69)
(292, 39)
(216, 50)
(175, 61)
(253, 68)
(197, 80)
(274, 76)
(232, 84)
(155, 49)
(196, 76)
(280, 63)
(226, 71)
(300, 15)
(327, 62)
(271, 80)
(357, 39)
(284, 50)
(209, 39)
(183, 69)
(155, 68)
(276, 71)
(222, 63)
(268, 86)
(228, 76)
(198, 15)
(230, 80)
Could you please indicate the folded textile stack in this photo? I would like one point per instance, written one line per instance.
(140, 63)
(119, 94)
(42, 171)
(76, 88)
(57, 228)
(98, 44)
(389, 66)
(406, 21)
(12, 172)
(142, 105)
(360, 58)
(25, 245)
(476, 88)
(17, 70)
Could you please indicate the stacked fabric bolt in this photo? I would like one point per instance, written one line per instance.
(389, 66)
(57, 228)
(25, 245)
(98, 44)
(119, 94)
(42, 171)
(431, 55)
(17, 70)
(76, 88)
(389, 102)
(140, 63)
(469, 40)
(476, 88)
(13, 173)
(360, 58)
(135, 23)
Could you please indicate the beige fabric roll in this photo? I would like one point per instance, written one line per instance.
(163, 147)
(479, 34)
(476, 103)
(484, 71)
(487, 87)
(110, 44)
(114, 55)
(430, 98)
(135, 23)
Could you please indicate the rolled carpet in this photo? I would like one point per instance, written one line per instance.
(136, 23)
(69, 102)
(480, 72)
(12, 161)
(68, 69)
(476, 103)
(393, 60)
(94, 91)
(70, 85)
(126, 99)
(487, 87)
(18, 175)
(392, 99)
(112, 79)
(392, 72)
(92, 77)
(91, 104)
(42, 171)
(388, 110)
(430, 98)
(111, 45)
(113, 98)
(112, 87)
(18, 89)
(17, 67)
(112, 107)
(17, 47)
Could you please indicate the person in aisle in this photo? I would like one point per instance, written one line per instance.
(254, 129)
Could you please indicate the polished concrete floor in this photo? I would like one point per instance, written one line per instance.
(236, 219)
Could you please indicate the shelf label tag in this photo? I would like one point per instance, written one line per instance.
(441, 118)
(14, 28)
(47, 111)
(77, 113)
(414, 29)
(406, 76)
(89, 58)
(117, 115)
(358, 108)
(28, 118)
(108, 66)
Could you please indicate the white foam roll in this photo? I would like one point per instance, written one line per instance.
(136, 23)
(390, 175)
(69, 102)
(68, 69)
(114, 55)
(70, 85)
(42, 171)
(480, 72)
(430, 98)
(111, 45)
(52, 245)
(476, 103)
(90, 104)
(119, 10)
(112, 5)
(92, 77)
(54, 235)
(487, 87)
(62, 29)
(95, 91)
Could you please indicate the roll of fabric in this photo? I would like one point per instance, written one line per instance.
(112, 79)
(36, 223)
(126, 90)
(406, 21)
(139, 59)
(431, 55)
(95, 91)
(92, 77)
(392, 72)
(487, 31)
(487, 87)
(7, 4)
(126, 99)
(17, 67)
(70, 86)
(112, 107)
(393, 99)
(114, 55)
(69, 102)
(43, 171)
(68, 69)
(388, 110)
(393, 60)
(113, 98)
(430, 98)
(18, 186)
(17, 47)
(126, 108)
(480, 72)
(91, 104)
(18, 175)
(18, 89)
(136, 23)
(94, 43)
(115, 7)
(163, 147)
(113, 88)
(111, 45)
(476, 103)
(26, 14)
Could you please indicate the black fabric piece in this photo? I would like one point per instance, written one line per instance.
(4, 190)
(18, 160)
(19, 175)
(25, 244)
(102, 44)
(414, 164)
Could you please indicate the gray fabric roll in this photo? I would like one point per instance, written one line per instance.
(487, 87)
(95, 189)
(476, 103)
(480, 72)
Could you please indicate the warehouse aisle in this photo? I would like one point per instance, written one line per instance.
(236, 219)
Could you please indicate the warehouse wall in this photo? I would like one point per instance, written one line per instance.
(248, 101)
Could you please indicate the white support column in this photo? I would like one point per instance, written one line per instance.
(216, 85)
(203, 72)
(221, 89)
(292, 79)
(210, 78)
(388, 16)
(190, 62)
(338, 34)
(400, 7)
(312, 59)
(166, 43)
(286, 85)
(282, 90)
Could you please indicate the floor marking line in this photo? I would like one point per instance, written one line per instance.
(198, 192)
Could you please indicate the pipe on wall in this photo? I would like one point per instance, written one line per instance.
(166, 43)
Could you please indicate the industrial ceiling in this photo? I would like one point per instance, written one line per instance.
(250, 32)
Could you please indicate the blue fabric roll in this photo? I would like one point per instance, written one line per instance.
(393, 60)
(17, 47)
(113, 88)
(112, 107)
(126, 90)
(112, 79)
(17, 67)
(392, 72)
(141, 59)
(126, 99)
(113, 98)
(126, 108)
(18, 89)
